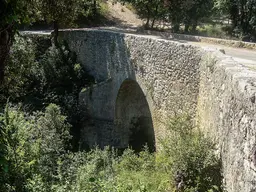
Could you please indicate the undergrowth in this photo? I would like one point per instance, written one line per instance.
(36, 158)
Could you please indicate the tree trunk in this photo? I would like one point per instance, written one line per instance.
(147, 23)
(194, 27)
(94, 8)
(154, 17)
(175, 27)
(148, 17)
(56, 32)
(234, 13)
(153, 23)
(186, 28)
(6, 36)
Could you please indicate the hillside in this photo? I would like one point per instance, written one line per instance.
(122, 16)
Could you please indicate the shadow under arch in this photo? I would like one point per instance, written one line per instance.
(133, 120)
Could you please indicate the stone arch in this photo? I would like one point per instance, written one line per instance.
(133, 120)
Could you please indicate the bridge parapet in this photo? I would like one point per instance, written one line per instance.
(174, 78)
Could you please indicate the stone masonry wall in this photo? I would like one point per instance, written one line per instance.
(227, 113)
(166, 71)
(175, 78)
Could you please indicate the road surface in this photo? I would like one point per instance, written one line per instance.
(243, 56)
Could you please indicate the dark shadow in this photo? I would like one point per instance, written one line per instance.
(133, 118)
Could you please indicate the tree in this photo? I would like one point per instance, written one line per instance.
(60, 13)
(33, 144)
(242, 14)
(176, 10)
(18, 152)
(12, 13)
(148, 9)
(196, 10)
(188, 12)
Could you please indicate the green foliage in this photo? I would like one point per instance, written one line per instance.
(92, 8)
(33, 145)
(38, 159)
(61, 79)
(141, 172)
(191, 13)
(220, 7)
(105, 171)
(148, 9)
(51, 126)
(195, 12)
(15, 12)
(192, 157)
(212, 31)
(12, 14)
(103, 8)
(187, 12)
(242, 14)
(18, 69)
(37, 81)
(18, 151)
(93, 13)
(62, 11)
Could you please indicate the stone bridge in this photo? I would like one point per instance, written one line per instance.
(141, 82)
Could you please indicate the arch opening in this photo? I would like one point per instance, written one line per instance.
(133, 121)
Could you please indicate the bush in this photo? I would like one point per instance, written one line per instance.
(191, 157)
(18, 70)
(33, 146)
(61, 80)
(19, 152)
(141, 172)
(40, 161)
(38, 80)
(212, 31)
(105, 171)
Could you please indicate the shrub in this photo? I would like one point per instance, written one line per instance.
(18, 70)
(53, 133)
(21, 148)
(33, 145)
(62, 79)
(141, 172)
(40, 161)
(191, 157)
(212, 31)
(37, 81)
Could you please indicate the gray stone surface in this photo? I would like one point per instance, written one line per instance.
(226, 111)
(173, 78)
(167, 73)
